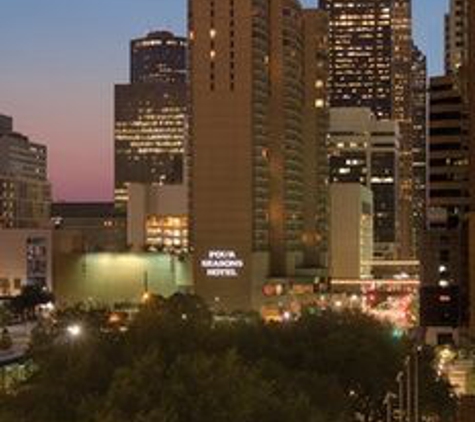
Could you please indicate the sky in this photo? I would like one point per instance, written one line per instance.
(59, 60)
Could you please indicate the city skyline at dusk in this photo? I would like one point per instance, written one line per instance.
(59, 66)
(237, 211)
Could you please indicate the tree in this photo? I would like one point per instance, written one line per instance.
(175, 364)
(5, 340)
(199, 388)
(31, 296)
(5, 316)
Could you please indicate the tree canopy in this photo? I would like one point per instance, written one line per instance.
(175, 363)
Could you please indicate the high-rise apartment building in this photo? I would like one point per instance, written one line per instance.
(365, 150)
(445, 256)
(456, 35)
(151, 122)
(371, 52)
(25, 193)
(258, 105)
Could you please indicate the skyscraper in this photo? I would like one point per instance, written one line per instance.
(360, 40)
(456, 35)
(371, 52)
(151, 122)
(158, 57)
(257, 97)
(365, 150)
(419, 145)
(445, 260)
(25, 193)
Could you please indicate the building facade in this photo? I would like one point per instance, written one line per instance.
(25, 259)
(365, 150)
(352, 236)
(157, 218)
(257, 73)
(25, 193)
(151, 115)
(98, 226)
(445, 252)
(420, 146)
(158, 57)
(371, 53)
(456, 35)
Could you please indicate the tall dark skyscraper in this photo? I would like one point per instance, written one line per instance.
(365, 150)
(159, 57)
(151, 122)
(360, 54)
(371, 53)
(445, 253)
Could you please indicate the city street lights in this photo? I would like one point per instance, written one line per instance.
(389, 409)
(74, 330)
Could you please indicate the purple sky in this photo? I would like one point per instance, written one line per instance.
(59, 60)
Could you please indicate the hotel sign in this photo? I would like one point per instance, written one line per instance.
(222, 263)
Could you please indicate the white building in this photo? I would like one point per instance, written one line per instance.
(351, 231)
(365, 150)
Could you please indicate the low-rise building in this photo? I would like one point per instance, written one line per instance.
(25, 259)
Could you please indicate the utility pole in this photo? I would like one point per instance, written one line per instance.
(400, 380)
(389, 407)
(416, 383)
(145, 281)
(409, 389)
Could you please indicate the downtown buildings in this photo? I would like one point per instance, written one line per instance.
(445, 256)
(372, 65)
(456, 35)
(151, 115)
(25, 192)
(365, 150)
(25, 199)
(446, 259)
(258, 101)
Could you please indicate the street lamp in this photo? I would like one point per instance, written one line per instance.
(74, 330)
(409, 378)
(389, 409)
(400, 381)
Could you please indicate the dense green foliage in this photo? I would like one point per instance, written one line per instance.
(175, 364)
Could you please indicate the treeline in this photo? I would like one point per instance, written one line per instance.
(173, 362)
